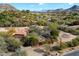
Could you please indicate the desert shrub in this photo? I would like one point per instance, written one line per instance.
(41, 22)
(54, 30)
(63, 45)
(9, 43)
(20, 52)
(47, 47)
(70, 44)
(77, 39)
(76, 22)
(76, 31)
(69, 30)
(3, 44)
(31, 40)
(55, 48)
(3, 34)
(13, 43)
(75, 42)
(60, 47)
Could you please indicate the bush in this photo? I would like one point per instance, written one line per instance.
(47, 47)
(75, 42)
(60, 47)
(77, 39)
(63, 45)
(9, 43)
(76, 31)
(55, 48)
(3, 34)
(31, 40)
(41, 22)
(19, 52)
(70, 30)
(3, 44)
(13, 43)
(70, 44)
(54, 30)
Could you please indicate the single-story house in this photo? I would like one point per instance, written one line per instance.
(19, 31)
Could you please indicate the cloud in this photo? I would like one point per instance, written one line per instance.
(41, 3)
(41, 8)
(71, 3)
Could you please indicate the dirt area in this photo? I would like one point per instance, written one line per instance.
(73, 27)
(32, 51)
(38, 50)
(64, 36)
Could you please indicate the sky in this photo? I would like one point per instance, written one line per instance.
(41, 6)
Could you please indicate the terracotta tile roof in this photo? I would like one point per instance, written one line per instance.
(22, 31)
(18, 30)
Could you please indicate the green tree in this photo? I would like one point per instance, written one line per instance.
(54, 30)
(32, 39)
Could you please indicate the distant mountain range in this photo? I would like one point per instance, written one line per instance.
(74, 7)
(7, 7)
(10, 7)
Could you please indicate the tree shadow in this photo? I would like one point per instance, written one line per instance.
(39, 50)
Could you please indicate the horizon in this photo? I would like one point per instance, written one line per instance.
(41, 6)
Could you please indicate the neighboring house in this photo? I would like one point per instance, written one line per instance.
(20, 32)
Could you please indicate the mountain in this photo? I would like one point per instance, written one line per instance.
(7, 7)
(74, 7)
(4, 6)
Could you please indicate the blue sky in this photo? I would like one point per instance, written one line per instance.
(41, 6)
